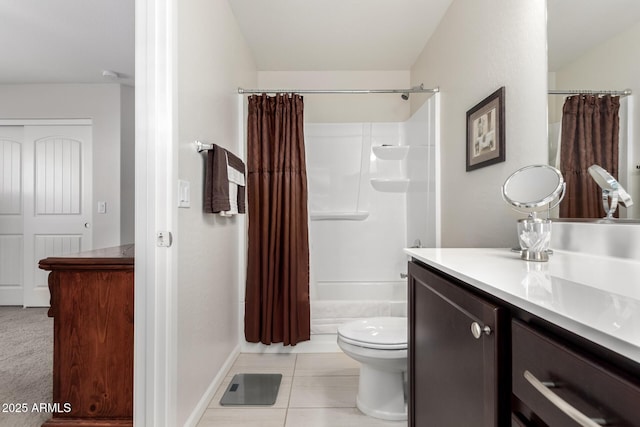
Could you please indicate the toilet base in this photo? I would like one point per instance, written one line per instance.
(381, 393)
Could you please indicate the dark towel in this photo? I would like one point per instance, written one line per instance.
(216, 181)
(236, 163)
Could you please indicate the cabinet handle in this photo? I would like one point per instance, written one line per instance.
(477, 330)
(562, 405)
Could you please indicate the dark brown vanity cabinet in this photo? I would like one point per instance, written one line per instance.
(515, 373)
(455, 355)
(554, 385)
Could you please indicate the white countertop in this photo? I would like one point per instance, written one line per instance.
(596, 297)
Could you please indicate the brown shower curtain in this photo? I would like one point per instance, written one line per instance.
(277, 288)
(590, 127)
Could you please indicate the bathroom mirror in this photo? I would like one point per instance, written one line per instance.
(592, 44)
(533, 187)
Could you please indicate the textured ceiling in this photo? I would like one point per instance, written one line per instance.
(337, 34)
(73, 41)
(66, 41)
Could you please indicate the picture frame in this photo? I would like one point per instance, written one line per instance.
(485, 132)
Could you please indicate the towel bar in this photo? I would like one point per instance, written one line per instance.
(202, 146)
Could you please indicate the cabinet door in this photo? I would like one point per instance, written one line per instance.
(454, 377)
(93, 346)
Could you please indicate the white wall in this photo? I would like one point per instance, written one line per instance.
(344, 108)
(477, 48)
(127, 165)
(613, 64)
(213, 60)
(100, 102)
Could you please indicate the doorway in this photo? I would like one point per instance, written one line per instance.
(45, 202)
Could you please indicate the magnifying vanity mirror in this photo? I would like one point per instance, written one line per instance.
(612, 191)
(530, 190)
(533, 187)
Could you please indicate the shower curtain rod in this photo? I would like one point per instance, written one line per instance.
(417, 89)
(625, 92)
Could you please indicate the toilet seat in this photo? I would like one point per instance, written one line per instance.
(381, 333)
(380, 345)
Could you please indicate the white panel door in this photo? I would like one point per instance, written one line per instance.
(11, 224)
(57, 200)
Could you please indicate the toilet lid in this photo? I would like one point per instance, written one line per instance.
(376, 332)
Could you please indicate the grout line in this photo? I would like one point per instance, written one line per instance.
(319, 407)
(329, 376)
(326, 407)
(293, 376)
(295, 365)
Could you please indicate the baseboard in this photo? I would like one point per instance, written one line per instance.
(203, 403)
(12, 296)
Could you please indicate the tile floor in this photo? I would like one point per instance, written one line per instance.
(317, 390)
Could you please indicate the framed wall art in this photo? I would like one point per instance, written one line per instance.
(485, 132)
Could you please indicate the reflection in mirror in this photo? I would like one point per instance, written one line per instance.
(593, 46)
(589, 134)
(612, 191)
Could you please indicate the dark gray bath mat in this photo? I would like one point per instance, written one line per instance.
(252, 389)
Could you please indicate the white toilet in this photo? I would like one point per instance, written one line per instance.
(380, 345)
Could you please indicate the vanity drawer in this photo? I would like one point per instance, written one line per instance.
(582, 383)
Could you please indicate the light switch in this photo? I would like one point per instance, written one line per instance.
(184, 194)
(102, 207)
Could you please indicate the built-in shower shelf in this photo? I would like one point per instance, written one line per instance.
(339, 216)
(397, 185)
(391, 152)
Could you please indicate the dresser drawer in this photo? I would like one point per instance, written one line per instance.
(579, 381)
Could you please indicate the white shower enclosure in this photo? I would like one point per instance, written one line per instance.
(373, 191)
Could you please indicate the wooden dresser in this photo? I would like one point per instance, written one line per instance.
(92, 307)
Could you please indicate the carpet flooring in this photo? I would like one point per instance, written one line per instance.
(26, 365)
